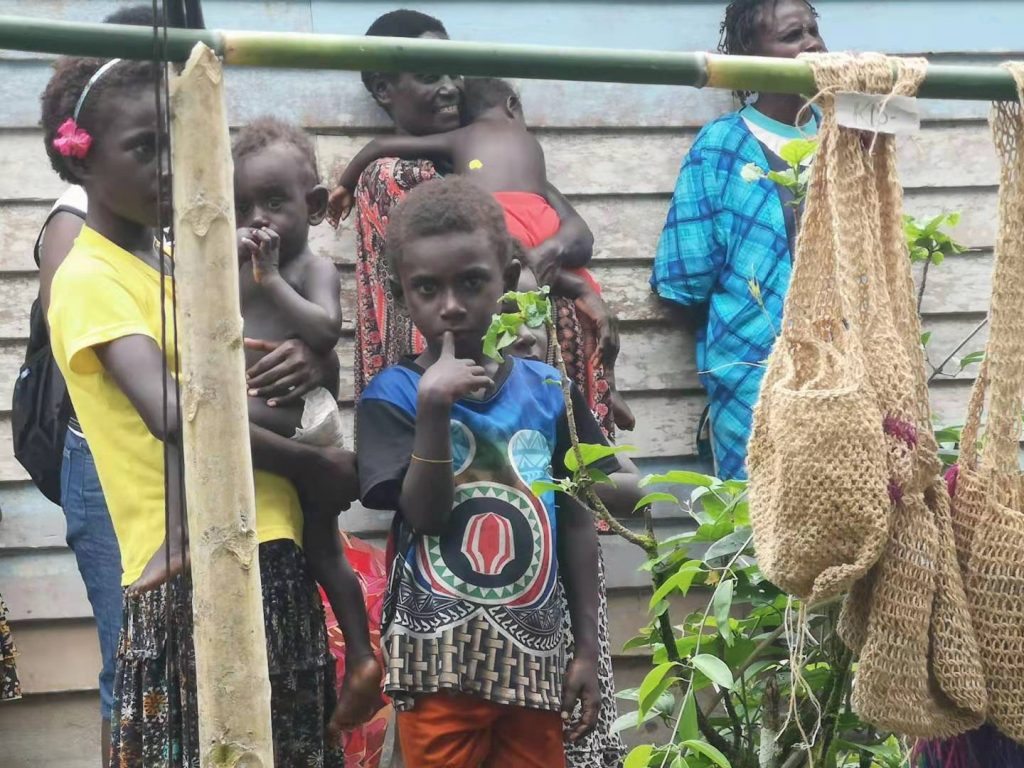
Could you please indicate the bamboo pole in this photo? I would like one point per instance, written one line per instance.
(230, 642)
(315, 51)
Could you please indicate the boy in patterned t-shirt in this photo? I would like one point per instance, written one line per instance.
(452, 441)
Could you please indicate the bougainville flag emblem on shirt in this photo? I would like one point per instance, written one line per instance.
(498, 549)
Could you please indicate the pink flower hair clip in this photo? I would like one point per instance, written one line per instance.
(71, 140)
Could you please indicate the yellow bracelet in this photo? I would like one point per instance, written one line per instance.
(431, 461)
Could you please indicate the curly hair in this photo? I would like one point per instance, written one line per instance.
(70, 76)
(265, 131)
(401, 23)
(134, 15)
(739, 27)
(484, 93)
(444, 206)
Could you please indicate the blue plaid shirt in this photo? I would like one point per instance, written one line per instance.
(724, 239)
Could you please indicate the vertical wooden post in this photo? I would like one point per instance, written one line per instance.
(231, 651)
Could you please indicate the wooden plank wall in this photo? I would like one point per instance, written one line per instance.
(615, 150)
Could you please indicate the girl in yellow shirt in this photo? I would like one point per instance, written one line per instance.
(106, 334)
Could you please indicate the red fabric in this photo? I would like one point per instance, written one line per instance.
(364, 744)
(447, 730)
(531, 220)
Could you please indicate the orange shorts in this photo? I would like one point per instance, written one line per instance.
(454, 730)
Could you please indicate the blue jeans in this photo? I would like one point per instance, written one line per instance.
(91, 537)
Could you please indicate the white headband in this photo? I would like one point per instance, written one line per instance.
(88, 86)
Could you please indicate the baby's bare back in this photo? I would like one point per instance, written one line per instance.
(501, 157)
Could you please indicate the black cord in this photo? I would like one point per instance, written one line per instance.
(161, 92)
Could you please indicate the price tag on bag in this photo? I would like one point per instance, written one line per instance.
(878, 113)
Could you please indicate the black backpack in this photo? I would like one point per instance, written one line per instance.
(41, 407)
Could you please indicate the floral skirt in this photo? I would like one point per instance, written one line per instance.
(602, 748)
(155, 721)
(10, 687)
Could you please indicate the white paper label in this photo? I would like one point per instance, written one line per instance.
(878, 113)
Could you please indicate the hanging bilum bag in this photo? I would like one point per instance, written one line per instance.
(819, 501)
(989, 489)
(890, 550)
(918, 671)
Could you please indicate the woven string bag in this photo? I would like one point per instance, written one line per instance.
(953, 656)
(878, 499)
(819, 501)
(990, 490)
(953, 664)
(888, 616)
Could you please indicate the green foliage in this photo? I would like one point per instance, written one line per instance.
(797, 154)
(927, 241)
(533, 309)
(735, 649)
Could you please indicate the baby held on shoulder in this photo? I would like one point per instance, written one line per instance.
(496, 151)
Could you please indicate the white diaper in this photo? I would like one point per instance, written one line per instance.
(321, 421)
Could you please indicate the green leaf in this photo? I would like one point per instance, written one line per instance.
(633, 719)
(639, 757)
(925, 338)
(972, 359)
(714, 669)
(786, 179)
(712, 754)
(597, 477)
(680, 580)
(540, 487)
(651, 498)
(795, 152)
(625, 722)
(679, 762)
(688, 728)
(953, 219)
(656, 683)
(723, 604)
(729, 545)
(628, 694)
(592, 452)
(679, 477)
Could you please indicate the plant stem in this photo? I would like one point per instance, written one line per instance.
(767, 643)
(830, 721)
(647, 543)
(714, 738)
(938, 371)
(924, 284)
(737, 726)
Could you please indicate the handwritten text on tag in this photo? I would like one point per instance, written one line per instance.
(878, 113)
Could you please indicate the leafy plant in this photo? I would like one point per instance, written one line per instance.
(928, 241)
(797, 154)
(721, 679)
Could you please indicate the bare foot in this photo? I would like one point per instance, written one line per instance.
(624, 418)
(159, 570)
(360, 695)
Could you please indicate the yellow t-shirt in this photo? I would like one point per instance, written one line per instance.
(101, 293)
